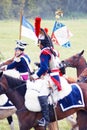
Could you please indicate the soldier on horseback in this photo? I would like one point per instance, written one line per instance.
(20, 61)
(48, 67)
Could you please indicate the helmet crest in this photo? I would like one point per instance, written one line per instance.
(37, 25)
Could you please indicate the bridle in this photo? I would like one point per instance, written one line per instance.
(15, 87)
(83, 79)
(77, 60)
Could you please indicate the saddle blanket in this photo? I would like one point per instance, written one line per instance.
(12, 72)
(73, 100)
(71, 94)
(34, 88)
(5, 103)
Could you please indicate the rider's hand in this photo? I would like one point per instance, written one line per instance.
(33, 77)
(37, 64)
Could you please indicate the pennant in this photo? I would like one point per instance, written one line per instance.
(27, 30)
(61, 35)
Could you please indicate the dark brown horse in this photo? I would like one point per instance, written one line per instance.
(15, 91)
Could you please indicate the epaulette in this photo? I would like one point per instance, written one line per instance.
(17, 59)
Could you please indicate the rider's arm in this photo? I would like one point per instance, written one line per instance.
(44, 65)
(7, 62)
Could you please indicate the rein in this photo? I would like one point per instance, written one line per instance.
(16, 87)
(74, 61)
(83, 79)
(19, 86)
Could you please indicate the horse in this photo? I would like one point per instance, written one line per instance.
(76, 61)
(8, 111)
(15, 90)
(79, 62)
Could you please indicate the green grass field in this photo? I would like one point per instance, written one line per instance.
(9, 32)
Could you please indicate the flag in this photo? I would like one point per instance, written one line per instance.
(60, 35)
(27, 30)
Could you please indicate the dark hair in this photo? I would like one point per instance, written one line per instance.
(46, 42)
(17, 48)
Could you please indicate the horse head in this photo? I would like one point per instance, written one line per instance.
(81, 53)
(74, 60)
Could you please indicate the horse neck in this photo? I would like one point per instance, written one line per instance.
(80, 68)
(15, 98)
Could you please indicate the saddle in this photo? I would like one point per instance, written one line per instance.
(33, 91)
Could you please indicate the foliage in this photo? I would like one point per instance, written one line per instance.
(5, 6)
(45, 9)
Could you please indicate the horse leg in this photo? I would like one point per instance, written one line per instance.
(40, 128)
(72, 121)
(10, 121)
(82, 119)
(52, 126)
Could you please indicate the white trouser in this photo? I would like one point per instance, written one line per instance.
(46, 83)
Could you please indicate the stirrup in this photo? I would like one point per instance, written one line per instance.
(42, 122)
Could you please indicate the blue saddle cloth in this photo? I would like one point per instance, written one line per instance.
(73, 100)
(7, 105)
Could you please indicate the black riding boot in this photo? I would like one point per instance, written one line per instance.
(45, 111)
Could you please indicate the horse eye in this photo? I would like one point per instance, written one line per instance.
(78, 80)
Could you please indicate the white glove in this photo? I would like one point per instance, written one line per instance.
(33, 77)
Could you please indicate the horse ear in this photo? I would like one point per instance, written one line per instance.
(1, 72)
(81, 53)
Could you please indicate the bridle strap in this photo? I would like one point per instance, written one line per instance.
(83, 79)
(15, 87)
(19, 86)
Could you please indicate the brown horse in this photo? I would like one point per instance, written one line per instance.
(78, 62)
(83, 78)
(15, 91)
(7, 113)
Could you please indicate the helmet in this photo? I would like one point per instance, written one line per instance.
(44, 38)
(20, 45)
(41, 34)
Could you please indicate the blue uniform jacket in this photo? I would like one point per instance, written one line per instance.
(45, 57)
(20, 65)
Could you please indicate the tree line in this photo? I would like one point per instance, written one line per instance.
(10, 9)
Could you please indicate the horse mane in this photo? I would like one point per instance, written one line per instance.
(16, 84)
(84, 73)
(84, 59)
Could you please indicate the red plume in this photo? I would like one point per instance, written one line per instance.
(37, 25)
(46, 30)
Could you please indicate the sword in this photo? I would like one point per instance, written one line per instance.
(54, 105)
